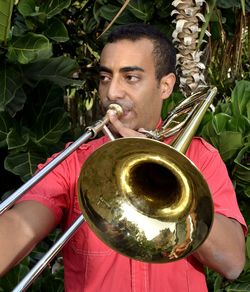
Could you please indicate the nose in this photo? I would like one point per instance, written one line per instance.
(115, 90)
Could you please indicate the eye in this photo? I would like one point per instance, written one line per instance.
(104, 78)
(131, 78)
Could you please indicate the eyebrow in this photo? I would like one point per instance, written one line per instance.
(123, 69)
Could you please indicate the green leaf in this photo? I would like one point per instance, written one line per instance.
(5, 124)
(220, 122)
(109, 11)
(17, 138)
(48, 9)
(232, 4)
(241, 98)
(171, 102)
(23, 164)
(239, 123)
(239, 287)
(141, 9)
(28, 8)
(10, 83)
(31, 12)
(54, 7)
(57, 31)
(208, 16)
(45, 98)
(242, 167)
(49, 282)
(6, 7)
(56, 70)
(248, 110)
(19, 26)
(218, 282)
(51, 128)
(248, 246)
(247, 191)
(11, 279)
(229, 144)
(17, 103)
(29, 48)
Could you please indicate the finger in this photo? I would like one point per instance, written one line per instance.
(121, 129)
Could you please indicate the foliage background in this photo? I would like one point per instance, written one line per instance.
(48, 82)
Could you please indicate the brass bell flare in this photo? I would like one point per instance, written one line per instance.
(145, 200)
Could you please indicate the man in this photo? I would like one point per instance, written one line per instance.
(137, 71)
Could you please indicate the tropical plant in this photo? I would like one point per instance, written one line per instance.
(33, 121)
(229, 46)
(46, 43)
(229, 131)
(32, 78)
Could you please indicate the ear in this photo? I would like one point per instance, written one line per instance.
(167, 85)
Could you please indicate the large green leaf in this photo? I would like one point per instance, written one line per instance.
(141, 9)
(241, 98)
(220, 122)
(6, 7)
(239, 123)
(45, 98)
(29, 48)
(17, 103)
(45, 116)
(56, 30)
(51, 127)
(43, 10)
(56, 70)
(17, 138)
(54, 7)
(227, 142)
(109, 11)
(6, 122)
(23, 164)
(30, 8)
(10, 83)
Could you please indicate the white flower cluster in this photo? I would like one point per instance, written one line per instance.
(188, 17)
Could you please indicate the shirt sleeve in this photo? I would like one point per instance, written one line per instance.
(52, 191)
(58, 189)
(213, 169)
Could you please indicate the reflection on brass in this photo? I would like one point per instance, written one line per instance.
(146, 199)
(146, 204)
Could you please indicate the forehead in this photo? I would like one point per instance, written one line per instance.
(128, 53)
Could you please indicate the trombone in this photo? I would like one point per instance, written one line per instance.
(119, 209)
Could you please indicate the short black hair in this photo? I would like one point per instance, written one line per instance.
(164, 51)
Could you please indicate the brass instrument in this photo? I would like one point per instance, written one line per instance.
(159, 219)
(153, 204)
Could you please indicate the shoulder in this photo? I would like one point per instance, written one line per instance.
(84, 150)
(93, 144)
(204, 155)
(200, 144)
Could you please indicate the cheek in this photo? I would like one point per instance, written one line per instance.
(101, 91)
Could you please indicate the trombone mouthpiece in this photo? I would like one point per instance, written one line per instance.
(116, 108)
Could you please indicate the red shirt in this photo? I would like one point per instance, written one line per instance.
(91, 266)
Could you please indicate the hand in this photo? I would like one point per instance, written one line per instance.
(119, 128)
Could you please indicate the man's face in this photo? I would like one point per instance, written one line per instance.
(127, 77)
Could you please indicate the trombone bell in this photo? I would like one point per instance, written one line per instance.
(142, 203)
